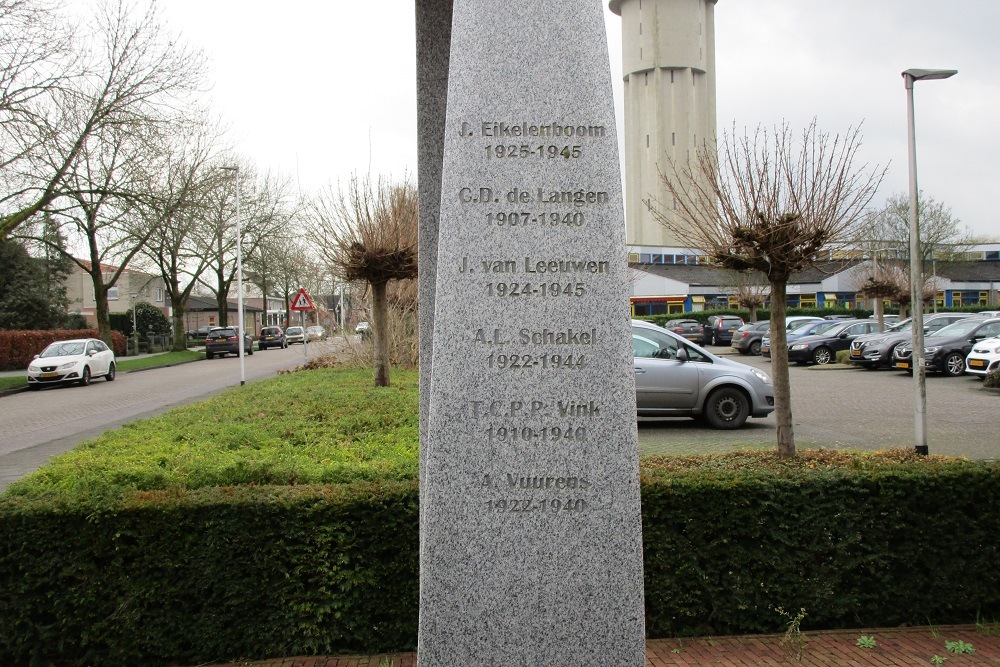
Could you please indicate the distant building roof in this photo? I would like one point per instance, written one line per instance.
(200, 304)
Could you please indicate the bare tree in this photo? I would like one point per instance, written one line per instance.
(130, 76)
(769, 202)
(750, 287)
(266, 207)
(940, 232)
(175, 213)
(368, 232)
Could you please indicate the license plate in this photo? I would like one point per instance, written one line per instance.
(765, 349)
(976, 363)
(269, 337)
(855, 353)
(50, 374)
(902, 364)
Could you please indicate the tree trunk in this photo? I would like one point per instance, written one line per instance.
(180, 336)
(753, 313)
(380, 324)
(101, 309)
(220, 302)
(779, 370)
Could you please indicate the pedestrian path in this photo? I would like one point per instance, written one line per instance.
(894, 647)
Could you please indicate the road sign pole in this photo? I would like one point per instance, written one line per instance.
(305, 337)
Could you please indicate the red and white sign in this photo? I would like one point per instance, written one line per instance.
(302, 301)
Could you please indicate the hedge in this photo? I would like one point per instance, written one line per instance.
(214, 574)
(18, 348)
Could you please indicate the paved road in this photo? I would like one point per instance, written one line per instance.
(836, 407)
(37, 425)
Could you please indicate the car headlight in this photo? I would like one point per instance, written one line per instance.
(800, 346)
(67, 366)
(932, 349)
(761, 375)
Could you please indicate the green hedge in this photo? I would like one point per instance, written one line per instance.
(175, 576)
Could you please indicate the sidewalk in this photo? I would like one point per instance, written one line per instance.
(895, 647)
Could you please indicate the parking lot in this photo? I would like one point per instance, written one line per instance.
(836, 407)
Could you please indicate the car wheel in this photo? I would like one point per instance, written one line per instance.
(85, 378)
(110, 377)
(727, 408)
(755, 347)
(743, 352)
(954, 364)
(823, 355)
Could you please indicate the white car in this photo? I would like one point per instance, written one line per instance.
(985, 357)
(69, 361)
(315, 333)
(363, 328)
(295, 335)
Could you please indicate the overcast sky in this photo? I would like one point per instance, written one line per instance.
(323, 89)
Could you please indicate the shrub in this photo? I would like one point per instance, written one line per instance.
(843, 356)
(201, 575)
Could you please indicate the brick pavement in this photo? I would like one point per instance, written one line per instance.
(895, 647)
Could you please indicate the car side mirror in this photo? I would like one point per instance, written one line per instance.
(35, 357)
(91, 353)
(682, 354)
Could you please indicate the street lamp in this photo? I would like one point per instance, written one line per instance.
(239, 276)
(135, 329)
(916, 261)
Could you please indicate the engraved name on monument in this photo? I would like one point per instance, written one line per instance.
(530, 522)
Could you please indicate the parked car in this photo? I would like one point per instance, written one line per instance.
(875, 350)
(72, 361)
(797, 329)
(720, 329)
(225, 340)
(822, 348)
(363, 328)
(946, 350)
(747, 338)
(676, 378)
(201, 333)
(690, 329)
(271, 337)
(984, 358)
(295, 335)
(315, 332)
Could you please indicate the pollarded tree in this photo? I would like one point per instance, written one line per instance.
(750, 287)
(770, 201)
(368, 232)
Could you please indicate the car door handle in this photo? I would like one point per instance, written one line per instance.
(639, 370)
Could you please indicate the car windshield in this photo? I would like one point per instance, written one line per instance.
(960, 328)
(222, 333)
(801, 324)
(294, 330)
(900, 326)
(823, 327)
(62, 350)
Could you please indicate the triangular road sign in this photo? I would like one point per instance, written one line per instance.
(302, 301)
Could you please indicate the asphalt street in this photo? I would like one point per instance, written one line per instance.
(36, 425)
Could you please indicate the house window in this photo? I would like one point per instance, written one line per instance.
(159, 294)
(113, 293)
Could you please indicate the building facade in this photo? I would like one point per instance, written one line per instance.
(132, 287)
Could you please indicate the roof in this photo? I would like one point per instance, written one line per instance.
(710, 275)
(200, 304)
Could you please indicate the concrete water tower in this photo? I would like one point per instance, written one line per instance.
(668, 62)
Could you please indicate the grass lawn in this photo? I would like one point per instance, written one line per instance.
(13, 382)
(168, 359)
(317, 426)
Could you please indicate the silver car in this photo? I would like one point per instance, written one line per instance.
(676, 378)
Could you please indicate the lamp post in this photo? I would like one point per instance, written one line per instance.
(135, 329)
(239, 276)
(916, 261)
